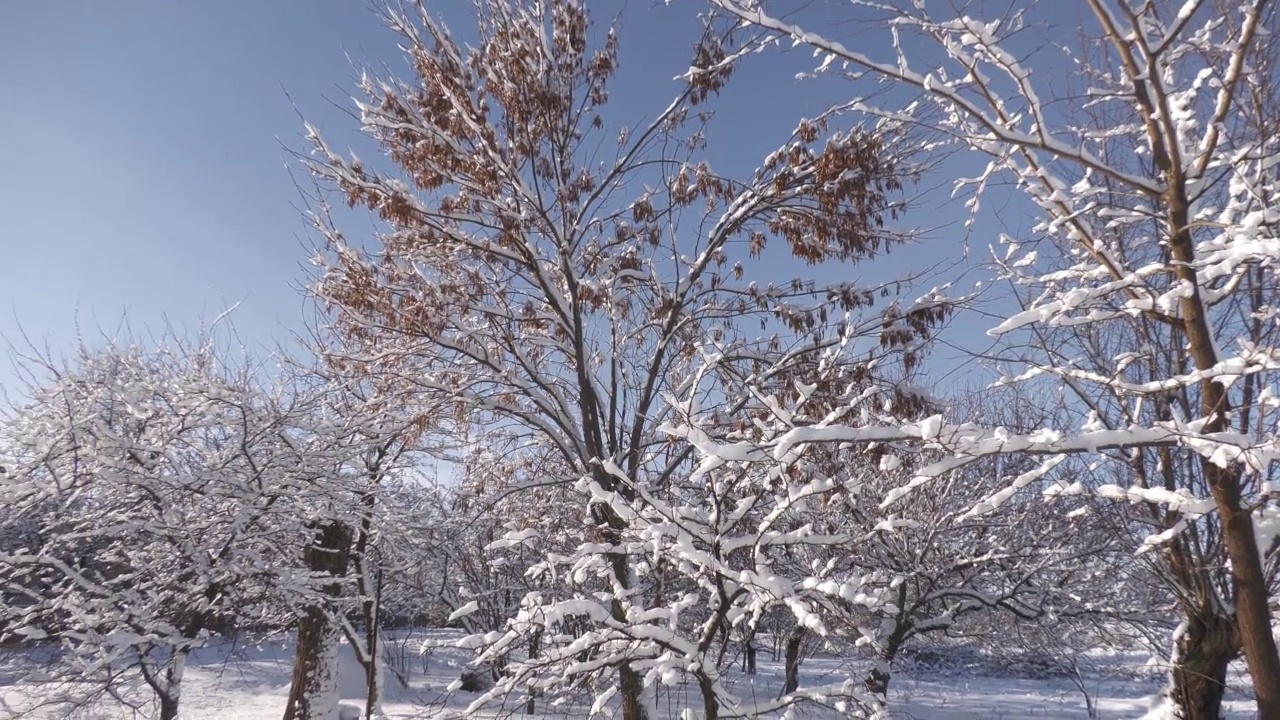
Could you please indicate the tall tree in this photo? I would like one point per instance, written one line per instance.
(555, 273)
(1156, 184)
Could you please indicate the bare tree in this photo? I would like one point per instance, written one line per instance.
(553, 272)
(1186, 160)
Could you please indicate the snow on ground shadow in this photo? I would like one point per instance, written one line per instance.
(238, 681)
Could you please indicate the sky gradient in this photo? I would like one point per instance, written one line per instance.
(147, 148)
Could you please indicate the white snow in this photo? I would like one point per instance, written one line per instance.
(232, 681)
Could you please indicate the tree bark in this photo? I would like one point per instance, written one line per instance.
(1253, 611)
(168, 691)
(168, 707)
(313, 689)
(1199, 674)
(169, 700)
(632, 687)
(370, 585)
(792, 664)
(1226, 484)
(535, 650)
(710, 704)
(724, 644)
(877, 682)
(374, 677)
(630, 682)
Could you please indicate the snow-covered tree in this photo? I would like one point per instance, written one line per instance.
(1150, 155)
(360, 433)
(503, 492)
(151, 491)
(769, 520)
(554, 271)
(938, 570)
(161, 493)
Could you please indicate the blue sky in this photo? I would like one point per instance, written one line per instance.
(145, 148)
(145, 171)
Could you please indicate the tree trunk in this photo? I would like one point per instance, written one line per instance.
(724, 644)
(1202, 652)
(775, 637)
(169, 699)
(168, 707)
(630, 682)
(313, 692)
(535, 650)
(710, 703)
(165, 681)
(792, 678)
(1252, 606)
(1253, 612)
(877, 682)
(373, 675)
(632, 687)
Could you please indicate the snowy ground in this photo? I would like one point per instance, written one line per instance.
(235, 682)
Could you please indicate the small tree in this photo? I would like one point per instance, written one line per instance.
(150, 489)
(785, 521)
(359, 432)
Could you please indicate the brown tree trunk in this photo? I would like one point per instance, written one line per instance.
(632, 687)
(630, 682)
(724, 644)
(718, 626)
(313, 689)
(1204, 650)
(1252, 601)
(791, 679)
(535, 651)
(877, 682)
(373, 670)
(1253, 611)
(169, 690)
(173, 685)
(311, 692)
(369, 579)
